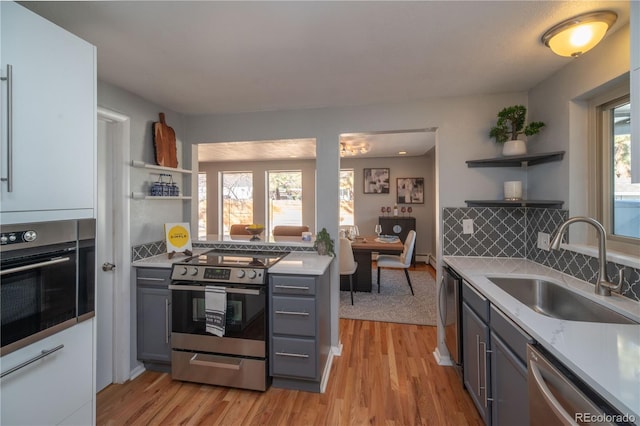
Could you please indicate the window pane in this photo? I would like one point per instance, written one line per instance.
(626, 197)
(237, 199)
(202, 204)
(346, 197)
(285, 198)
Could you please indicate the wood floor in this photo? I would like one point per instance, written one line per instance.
(386, 375)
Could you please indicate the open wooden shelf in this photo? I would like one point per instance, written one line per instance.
(517, 160)
(552, 204)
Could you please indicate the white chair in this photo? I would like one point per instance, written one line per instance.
(348, 266)
(399, 262)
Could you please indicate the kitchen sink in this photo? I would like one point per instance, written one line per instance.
(555, 301)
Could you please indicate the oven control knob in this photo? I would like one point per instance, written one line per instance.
(30, 236)
(183, 271)
(194, 271)
(252, 274)
(240, 273)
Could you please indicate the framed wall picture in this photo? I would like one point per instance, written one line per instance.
(376, 181)
(410, 190)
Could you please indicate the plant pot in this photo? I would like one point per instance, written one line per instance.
(515, 147)
(321, 247)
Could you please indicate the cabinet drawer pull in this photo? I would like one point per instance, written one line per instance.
(305, 314)
(151, 279)
(9, 79)
(44, 353)
(292, 355)
(292, 287)
(167, 332)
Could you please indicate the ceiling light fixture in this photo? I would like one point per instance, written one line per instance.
(575, 36)
(347, 150)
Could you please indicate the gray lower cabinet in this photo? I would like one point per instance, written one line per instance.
(154, 318)
(299, 330)
(495, 372)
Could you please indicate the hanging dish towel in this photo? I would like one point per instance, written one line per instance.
(215, 307)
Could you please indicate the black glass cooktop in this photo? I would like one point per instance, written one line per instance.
(240, 259)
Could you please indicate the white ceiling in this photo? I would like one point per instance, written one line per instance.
(210, 57)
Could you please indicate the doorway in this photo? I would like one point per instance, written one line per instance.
(112, 284)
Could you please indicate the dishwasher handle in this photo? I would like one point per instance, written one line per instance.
(551, 400)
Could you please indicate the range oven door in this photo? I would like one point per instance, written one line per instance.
(245, 327)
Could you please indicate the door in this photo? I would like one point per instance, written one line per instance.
(475, 367)
(105, 254)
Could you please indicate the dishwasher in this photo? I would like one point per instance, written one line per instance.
(557, 397)
(451, 316)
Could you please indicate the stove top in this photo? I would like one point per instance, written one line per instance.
(236, 259)
(216, 266)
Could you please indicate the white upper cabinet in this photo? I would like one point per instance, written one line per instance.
(48, 109)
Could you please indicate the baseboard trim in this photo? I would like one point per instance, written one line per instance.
(334, 351)
(440, 359)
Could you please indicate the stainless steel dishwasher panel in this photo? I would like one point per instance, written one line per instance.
(554, 399)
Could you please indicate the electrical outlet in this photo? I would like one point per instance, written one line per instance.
(543, 241)
(467, 226)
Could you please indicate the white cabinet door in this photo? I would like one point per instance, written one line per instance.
(54, 388)
(53, 112)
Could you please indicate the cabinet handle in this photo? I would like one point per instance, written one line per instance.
(150, 279)
(478, 359)
(292, 355)
(484, 357)
(292, 287)
(305, 314)
(166, 321)
(44, 353)
(9, 79)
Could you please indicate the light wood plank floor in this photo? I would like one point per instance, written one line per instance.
(386, 376)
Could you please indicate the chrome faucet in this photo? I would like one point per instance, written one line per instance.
(603, 286)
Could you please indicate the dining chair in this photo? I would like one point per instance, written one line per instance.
(289, 231)
(238, 229)
(348, 265)
(403, 261)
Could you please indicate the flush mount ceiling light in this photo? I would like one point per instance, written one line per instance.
(347, 150)
(575, 36)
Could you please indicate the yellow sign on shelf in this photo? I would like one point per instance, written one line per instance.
(178, 237)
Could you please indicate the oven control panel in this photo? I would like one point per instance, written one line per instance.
(18, 237)
(212, 274)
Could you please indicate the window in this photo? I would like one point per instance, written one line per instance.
(285, 198)
(346, 197)
(619, 197)
(202, 205)
(237, 199)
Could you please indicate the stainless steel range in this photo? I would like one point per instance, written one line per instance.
(239, 357)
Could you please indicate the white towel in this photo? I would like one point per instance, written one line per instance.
(215, 309)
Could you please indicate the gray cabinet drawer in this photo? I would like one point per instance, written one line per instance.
(293, 315)
(510, 333)
(153, 276)
(293, 357)
(293, 284)
(476, 301)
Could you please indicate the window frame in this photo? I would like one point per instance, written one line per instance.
(601, 189)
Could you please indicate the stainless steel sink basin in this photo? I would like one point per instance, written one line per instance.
(555, 301)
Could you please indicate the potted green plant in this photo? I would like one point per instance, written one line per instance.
(324, 243)
(510, 125)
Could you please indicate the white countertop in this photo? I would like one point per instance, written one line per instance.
(300, 262)
(605, 356)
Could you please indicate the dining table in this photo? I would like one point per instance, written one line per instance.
(363, 249)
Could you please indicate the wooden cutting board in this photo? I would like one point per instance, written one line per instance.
(164, 142)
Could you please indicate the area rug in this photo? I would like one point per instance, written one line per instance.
(394, 303)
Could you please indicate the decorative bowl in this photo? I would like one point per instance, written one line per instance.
(255, 231)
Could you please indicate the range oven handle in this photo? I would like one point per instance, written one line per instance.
(230, 290)
(34, 266)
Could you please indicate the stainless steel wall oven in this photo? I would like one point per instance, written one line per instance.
(46, 279)
(239, 357)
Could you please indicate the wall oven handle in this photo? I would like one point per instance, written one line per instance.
(44, 353)
(289, 354)
(304, 314)
(9, 79)
(236, 364)
(229, 290)
(35, 265)
(547, 395)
